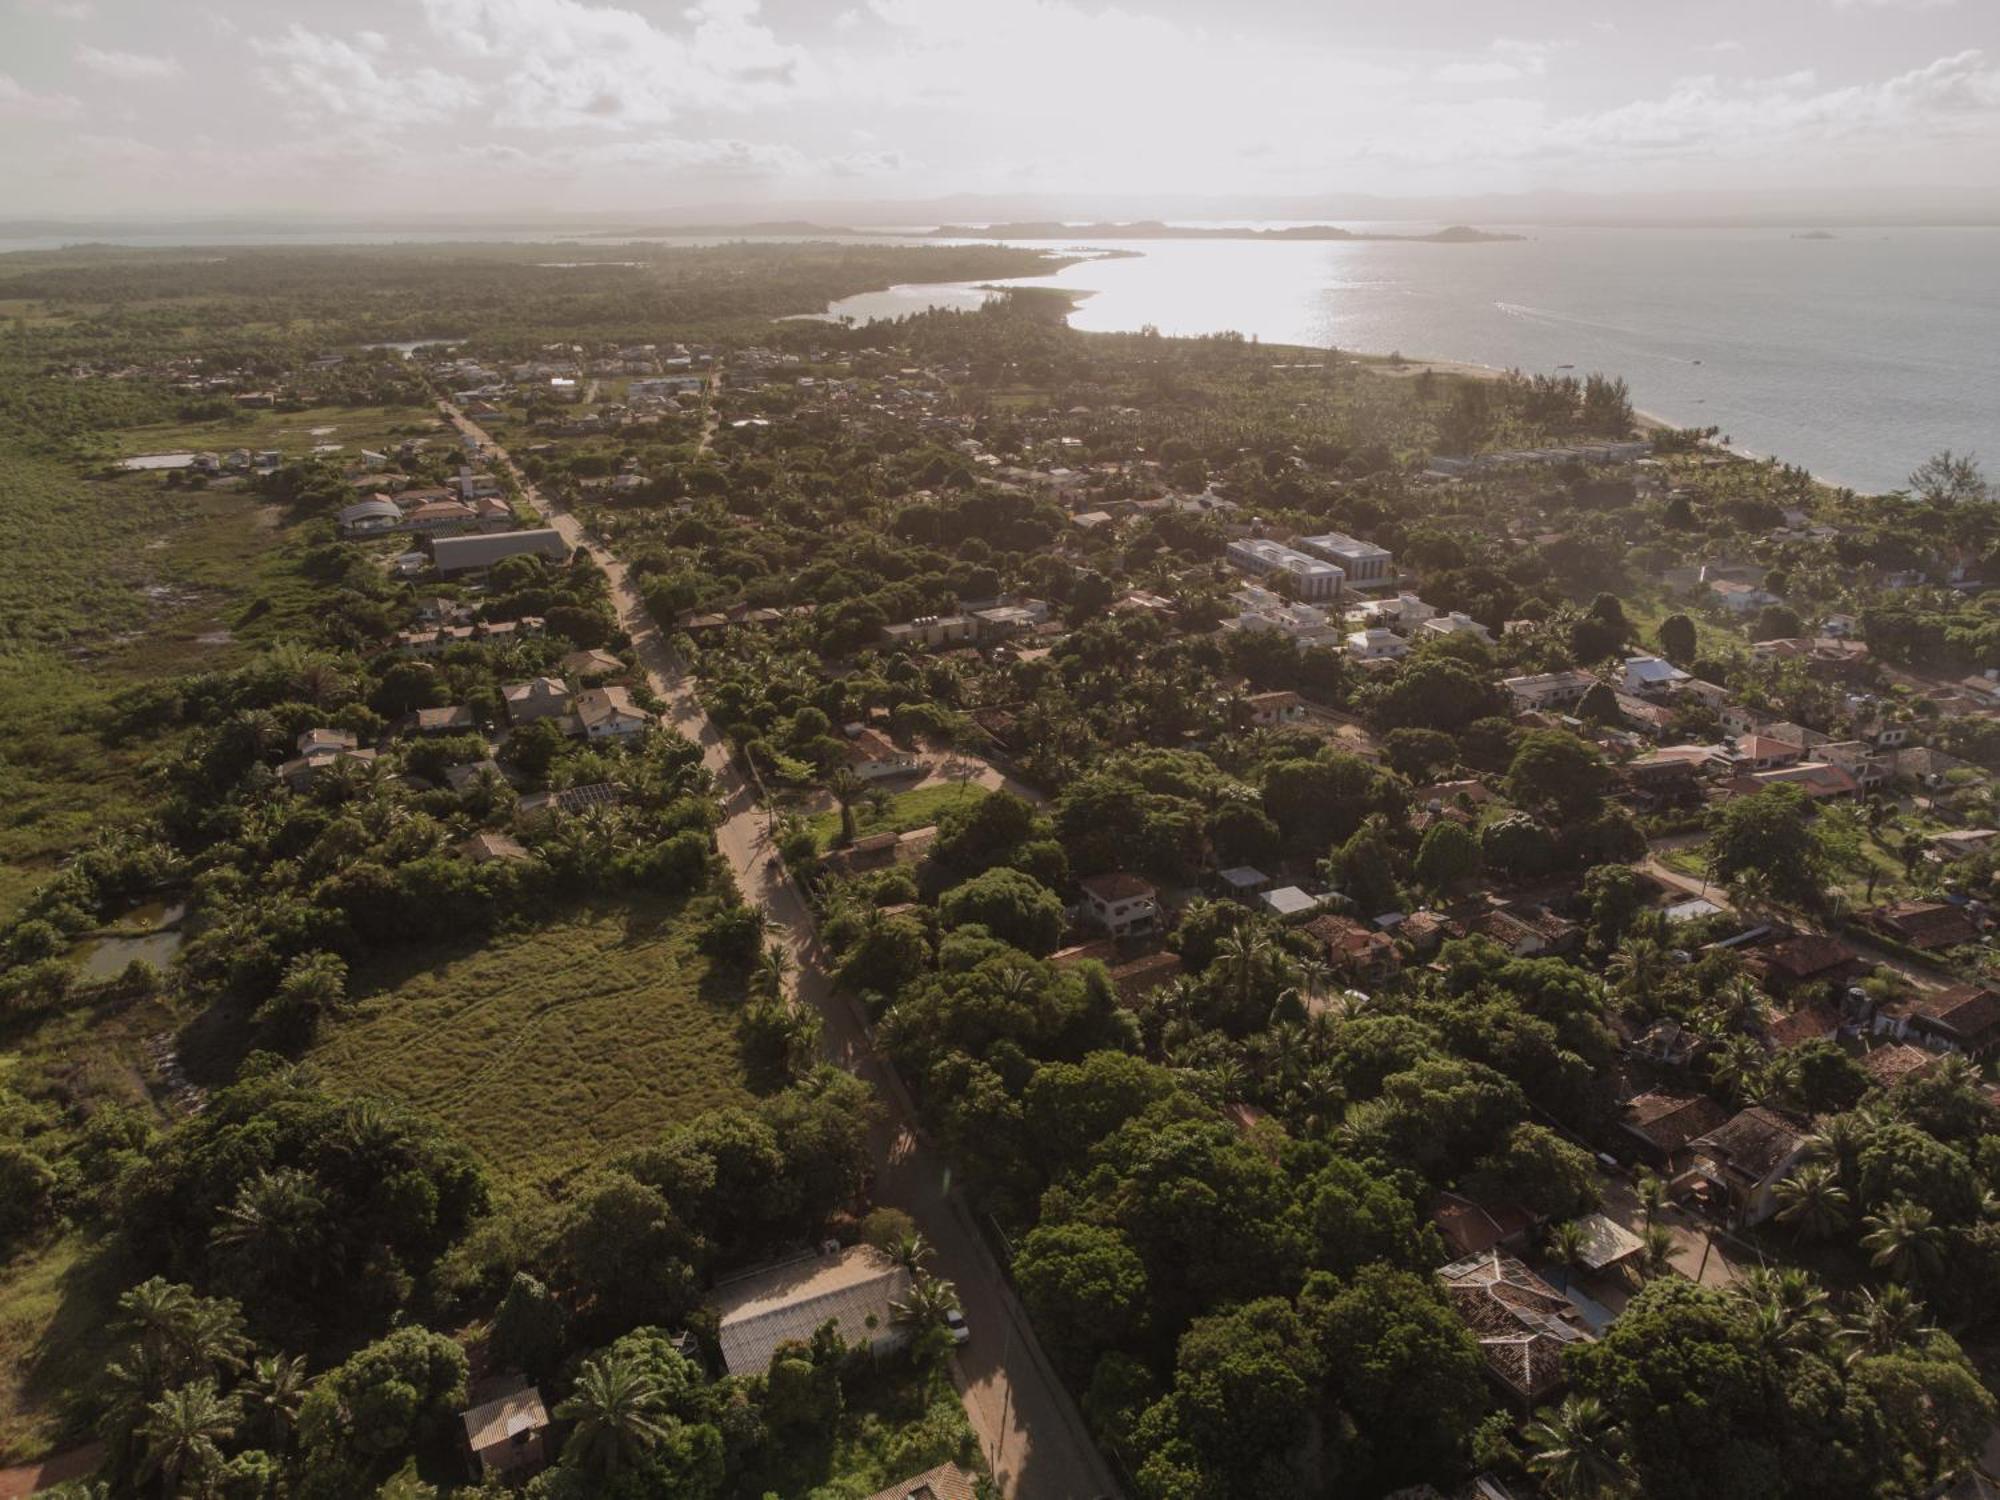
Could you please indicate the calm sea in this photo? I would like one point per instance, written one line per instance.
(1856, 356)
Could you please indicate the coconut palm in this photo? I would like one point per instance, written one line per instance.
(619, 1410)
(1885, 1321)
(1793, 1312)
(928, 1301)
(1656, 1251)
(179, 1333)
(1639, 968)
(1752, 891)
(774, 969)
(279, 1217)
(846, 789)
(181, 1438)
(1812, 1201)
(1738, 1067)
(272, 1393)
(1577, 1450)
(1244, 952)
(1568, 1242)
(911, 1251)
(1902, 1239)
(1651, 1191)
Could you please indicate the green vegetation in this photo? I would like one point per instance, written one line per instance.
(552, 1048)
(898, 812)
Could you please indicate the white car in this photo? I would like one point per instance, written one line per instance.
(955, 1321)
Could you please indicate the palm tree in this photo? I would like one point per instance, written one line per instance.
(1902, 1240)
(846, 789)
(1752, 891)
(1577, 1450)
(929, 1299)
(1651, 1191)
(181, 1334)
(1812, 1201)
(774, 968)
(1884, 1322)
(1656, 1251)
(619, 1410)
(1792, 1312)
(1244, 951)
(911, 1251)
(1568, 1243)
(272, 1393)
(1738, 1067)
(1638, 968)
(182, 1435)
(278, 1217)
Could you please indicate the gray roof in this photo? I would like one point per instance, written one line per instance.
(758, 1312)
(454, 554)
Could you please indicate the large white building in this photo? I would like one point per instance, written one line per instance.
(1311, 578)
(1363, 564)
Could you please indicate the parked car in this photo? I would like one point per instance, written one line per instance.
(955, 1321)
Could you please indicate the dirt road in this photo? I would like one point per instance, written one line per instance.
(1028, 1427)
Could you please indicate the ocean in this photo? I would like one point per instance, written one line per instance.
(1856, 356)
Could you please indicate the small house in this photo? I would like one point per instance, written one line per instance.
(1748, 1156)
(609, 713)
(506, 1435)
(1121, 904)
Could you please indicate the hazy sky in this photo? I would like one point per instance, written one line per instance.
(360, 106)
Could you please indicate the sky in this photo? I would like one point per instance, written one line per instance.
(542, 107)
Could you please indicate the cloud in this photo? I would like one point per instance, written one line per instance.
(127, 67)
(60, 10)
(344, 80)
(1725, 47)
(1893, 4)
(18, 102)
(564, 63)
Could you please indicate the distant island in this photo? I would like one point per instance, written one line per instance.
(1154, 229)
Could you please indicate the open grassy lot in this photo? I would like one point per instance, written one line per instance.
(293, 433)
(550, 1050)
(901, 813)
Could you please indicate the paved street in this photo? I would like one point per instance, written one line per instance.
(1030, 1430)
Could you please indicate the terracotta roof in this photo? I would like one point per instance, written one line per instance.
(1116, 885)
(1140, 977)
(1890, 1065)
(1804, 1024)
(946, 1482)
(1805, 957)
(1925, 924)
(1754, 1143)
(1669, 1121)
(1519, 1320)
(1970, 1012)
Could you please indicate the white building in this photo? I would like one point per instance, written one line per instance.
(1121, 904)
(1365, 565)
(1310, 577)
(1646, 676)
(1264, 610)
(1542, 690)
(1377, 644)
(1456, 623)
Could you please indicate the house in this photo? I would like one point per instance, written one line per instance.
(1523, 1325)
(492, 848)
(1816, 1020)
(1890, 1065)
(1309, 578)
(1809, 958)
(1760, 752)
(592, 664)
(1815, 778)
(1354, 950)
(1136, 980)
(475, 554)
(607, 713)
(1243, 881)
(441, 516)
(465, 777)
(1962, 843)
(1665, 777)
(370, 517)
(1121, 904)
(537, 698)
(875, 757)
(1541, 691)
(1455, 623)
(1961, 1018)
(1649, 676)
(1662, 1127)
(313, 742)
(1524, 931)
(1268, 710)
(1748, 1156)
(1839, 627)
(1859, 759)
(1363, 564)
(1288, 903)
(1472, 1228)
(302, 772)
(506, 1435)
(930, 631)
(1741, 597)
(454, 719)
(856, 1289)
(945, 1482)
(1377, 644)
(1925, 925)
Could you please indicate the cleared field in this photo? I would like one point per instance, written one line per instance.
(901, 813)
(293, 433)
(551, 1050)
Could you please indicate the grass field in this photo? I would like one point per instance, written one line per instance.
(903, 811)
(550, 1050)
(293, 433)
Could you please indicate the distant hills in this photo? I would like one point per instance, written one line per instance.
(1154, 229)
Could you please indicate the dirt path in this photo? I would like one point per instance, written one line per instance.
(1030, 1430)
